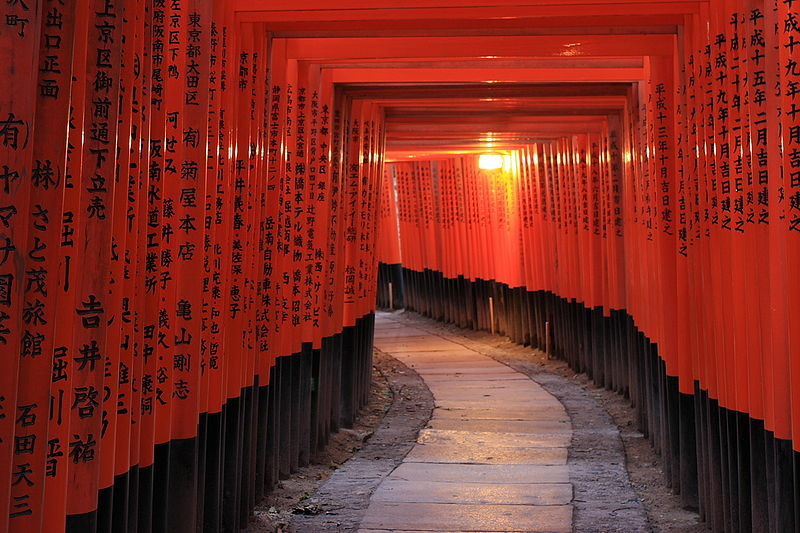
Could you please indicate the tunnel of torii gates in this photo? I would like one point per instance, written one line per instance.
(195, 197)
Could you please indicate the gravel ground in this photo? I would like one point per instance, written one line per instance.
(618, 480)
(331, 496)
(619, 483)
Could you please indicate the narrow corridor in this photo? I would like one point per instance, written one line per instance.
(494, 455)
(203, 203)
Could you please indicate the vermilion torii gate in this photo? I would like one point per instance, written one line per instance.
(190, 193)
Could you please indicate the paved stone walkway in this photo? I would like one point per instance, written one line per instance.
(492, 458)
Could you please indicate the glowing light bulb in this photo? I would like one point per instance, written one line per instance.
(490, 161)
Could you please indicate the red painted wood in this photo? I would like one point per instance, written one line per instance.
(218, 180)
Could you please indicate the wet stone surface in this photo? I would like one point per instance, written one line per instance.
(342, 500)
(618, 479)
(470, 387)
(514, 444)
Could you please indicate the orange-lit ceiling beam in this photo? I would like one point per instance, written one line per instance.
(286, 11)
(553, 91)
(481, 109)
(436, 125)
(480, 47)
(597, 24)
(516, 62)
(398, 124)
(484, 112)
(423, 134)
(466, 75)
(512, 104)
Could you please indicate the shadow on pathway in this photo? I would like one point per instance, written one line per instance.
(498, 454)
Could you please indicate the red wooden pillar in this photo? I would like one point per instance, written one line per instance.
(351, 172)
(779, 413)
(97, 184)
(22, 425)
(273, 192)
(216, 224)
(389, 242)
(339, 211)
(190, 37)
(327, 203)
(59, 420)
(373, 169)
(117, 379)
(120, 445)
(305, 220)
(785, 224)
(664, 192)
(686, 168)
(36, 283)
(757, 213)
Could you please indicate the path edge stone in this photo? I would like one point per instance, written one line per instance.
(604, 499)
(345, 496)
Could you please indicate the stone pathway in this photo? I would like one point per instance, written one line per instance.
(493, 456)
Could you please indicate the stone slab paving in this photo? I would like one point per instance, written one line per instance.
(393, 490)
(493, 456)
(500, 426)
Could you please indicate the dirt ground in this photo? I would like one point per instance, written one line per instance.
(332, 493)
(643, 465)
(291, 496)
(644, 468)
(647, 477)
(306, 501)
